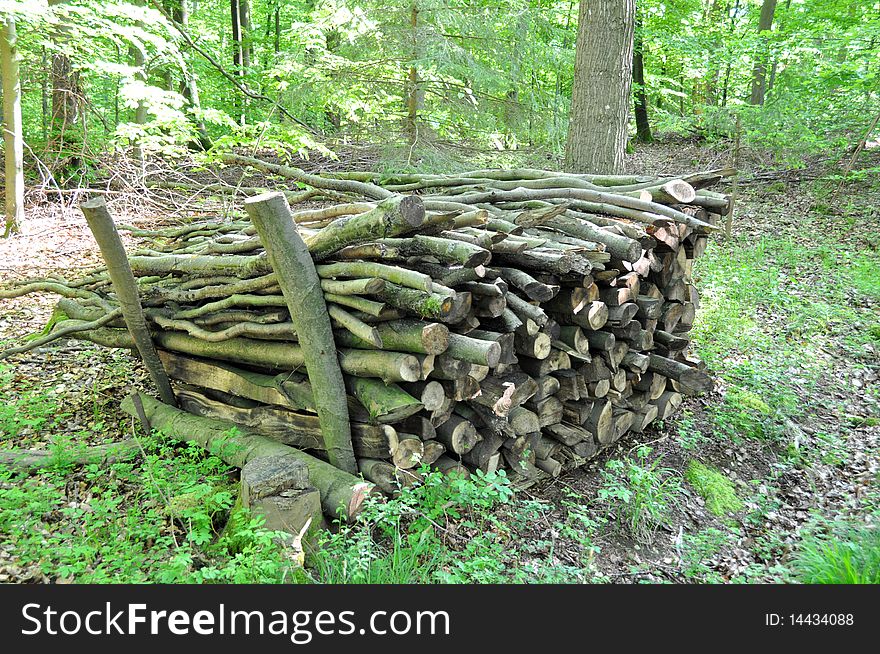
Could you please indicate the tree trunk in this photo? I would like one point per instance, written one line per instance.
(601, 90)
(140, 113)
(247, 48)
(643, 126)
(412, 93)
(240, 20)
(13, 140)
(274, 25)
(235, 22)
(759, 77)
(189, 87)
(66, 100)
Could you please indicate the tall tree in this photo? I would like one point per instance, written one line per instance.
(759, 77)
(241, 26)
(273, 24)
(412, 91)
(643, 125)
(241, 43)
(13, 140)
(600, 96)
(67, 95)
(139, 62)
(189, 88)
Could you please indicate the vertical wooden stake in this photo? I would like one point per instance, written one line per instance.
(125, 286)
(301, 287)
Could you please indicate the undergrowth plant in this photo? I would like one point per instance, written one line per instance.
(450, 529)
(640, 494)
(32, 409)
(848, 554)
(411, 538)
(161, 517)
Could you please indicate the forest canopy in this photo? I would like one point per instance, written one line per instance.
(164, 74)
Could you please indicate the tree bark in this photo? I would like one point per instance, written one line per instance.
(301, 288)
(601, 91)
(66, 96)
(138, 60)
(759, 77)
(189, 85)
(340, 491)
(126, 290)
(30, 460)
(241, 54)
(643, 125)
(299, 430)
(392, 217)
(13, 140)
(412, 87)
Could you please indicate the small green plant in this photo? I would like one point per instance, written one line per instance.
(640, 494)
(31, 409)
(159, 517)
(718, 491)
(689, 436)
(849, 555)
(406, 539)
(697, 550)
(447, 530)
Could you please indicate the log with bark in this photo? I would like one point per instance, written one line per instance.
(520, 319)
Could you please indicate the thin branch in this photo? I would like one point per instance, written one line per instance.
(229, 76)
(61, 333)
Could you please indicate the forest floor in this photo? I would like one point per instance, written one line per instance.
(773, 477)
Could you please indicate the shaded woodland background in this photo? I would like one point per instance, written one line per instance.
(800, 77)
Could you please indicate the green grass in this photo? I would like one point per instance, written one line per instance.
(159, 518)
(718, 491)
(851, 555)
(458, 531)
(639, 494)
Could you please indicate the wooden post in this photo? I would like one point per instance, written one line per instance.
(126, 290)
(12, 129)
(301, 287)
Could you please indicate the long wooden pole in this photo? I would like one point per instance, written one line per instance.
(301, 287)
(125, 286)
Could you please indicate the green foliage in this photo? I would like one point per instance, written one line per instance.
(157, 519)
(697, 550)
(850, 554)
(401, 540)
(498, 75)
(718, 491)
(33, 410)
(449, 530)
(640, 494)
(745, 281)
(820, 59)
(689, 437)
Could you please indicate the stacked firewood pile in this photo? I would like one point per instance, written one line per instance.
(516, 319)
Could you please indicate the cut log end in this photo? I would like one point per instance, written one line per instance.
(412, 209)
